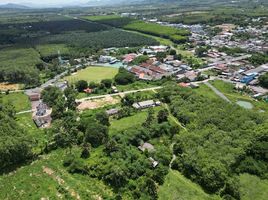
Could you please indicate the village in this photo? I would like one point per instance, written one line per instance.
(154, 63)
(234, 69)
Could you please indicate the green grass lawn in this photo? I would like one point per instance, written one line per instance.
(20, 101)
(31, 182)
(253, 187)
(177, 187)
(93, 73)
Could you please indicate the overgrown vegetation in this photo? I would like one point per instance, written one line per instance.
(213, 124)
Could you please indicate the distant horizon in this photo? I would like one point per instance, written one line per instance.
(44, 2)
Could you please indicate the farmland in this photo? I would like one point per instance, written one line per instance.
(98, 40)
(93, 73)
(33, 44)
(176, 35)
(19, 65)
(111, 20)
(51, 50)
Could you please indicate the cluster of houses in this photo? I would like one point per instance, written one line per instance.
(238, 70)
(153, 69)
(228, 37)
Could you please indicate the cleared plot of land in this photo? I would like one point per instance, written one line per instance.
(9, 86)
(252, 187)
(131, 121)
(20, 101)
(47, 178)
(95, 74)
(52, 49)
(177, 187)
(127, 122)
(98, 103)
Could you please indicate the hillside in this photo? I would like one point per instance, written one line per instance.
(13, 6)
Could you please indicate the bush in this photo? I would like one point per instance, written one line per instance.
(81, 85)
(124, 77)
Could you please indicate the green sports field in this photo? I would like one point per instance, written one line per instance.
(93, 73)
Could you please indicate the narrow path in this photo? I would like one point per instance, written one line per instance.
(221, 95)
(174, 119)
(23, 112)
(173, 155)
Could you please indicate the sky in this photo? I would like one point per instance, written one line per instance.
(44, 2)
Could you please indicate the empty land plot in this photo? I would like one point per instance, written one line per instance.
(48, 50)
(9, 86)
(98, 103)
(94, 73)
(176, 186)
(20, 101)
(127, 122)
